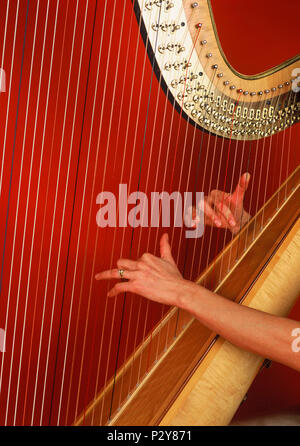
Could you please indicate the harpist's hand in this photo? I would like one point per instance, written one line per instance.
(152, 277)
(225, 210)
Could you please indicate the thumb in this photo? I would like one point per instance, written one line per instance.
(165, 248)
(238, 194)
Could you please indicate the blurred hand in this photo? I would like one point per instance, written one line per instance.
(225, 210)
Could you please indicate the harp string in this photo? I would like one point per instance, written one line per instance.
(51, 243)
(172, 237)
(2, 66)
(285, 104)
(4, 34)
(64, 201)
(215, 146)
(138, 190)
(4, 143)
(288, 166)
(92, 279)
(162, 134)
(12, 165)
(175, 210)
(76, 181)
(122, 244)
(23, 240)
(144, 326)
(89, 223)
(39, 178)
(163, 307)
(3, 153)
(218, 186)
(62, 222)
(252, 189)
(171, 188)
(283, 146)
(225, 179)
(274, 100)
(94, 257)
(108, 145)
(76, 257)
(195, 186)
(9, 91)
(241, 218)
(179, 187)
(202, 187)
(253, 182)
(150, 230)
(46, 291)
(231, 189)
(267, 172)
(122, 368)
(260, 182)
(114, 233)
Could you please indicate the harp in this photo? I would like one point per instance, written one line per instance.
(98, 94)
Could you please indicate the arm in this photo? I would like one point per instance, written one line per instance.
(159, 279)
(262, 333)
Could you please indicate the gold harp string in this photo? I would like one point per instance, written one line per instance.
(16, 220)
(52, 230)
(158, 162)
(47, 190)
(12, 162)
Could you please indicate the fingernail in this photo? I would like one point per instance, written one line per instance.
(218, 223)
(96, 276)
(232, 222)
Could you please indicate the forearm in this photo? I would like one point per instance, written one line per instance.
(264, 334)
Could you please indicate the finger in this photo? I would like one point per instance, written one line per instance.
(114, 274)
(165, 248)
(238, 194)
(121, 287)
(127, 264)
(224, 223)
(211, 214)
(226, 212)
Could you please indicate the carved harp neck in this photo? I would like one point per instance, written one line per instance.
(202, 84)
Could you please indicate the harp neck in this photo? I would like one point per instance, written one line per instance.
(205, 88)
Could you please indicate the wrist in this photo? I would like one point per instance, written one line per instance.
(186, 295)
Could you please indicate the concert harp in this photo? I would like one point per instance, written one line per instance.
(140, 93)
